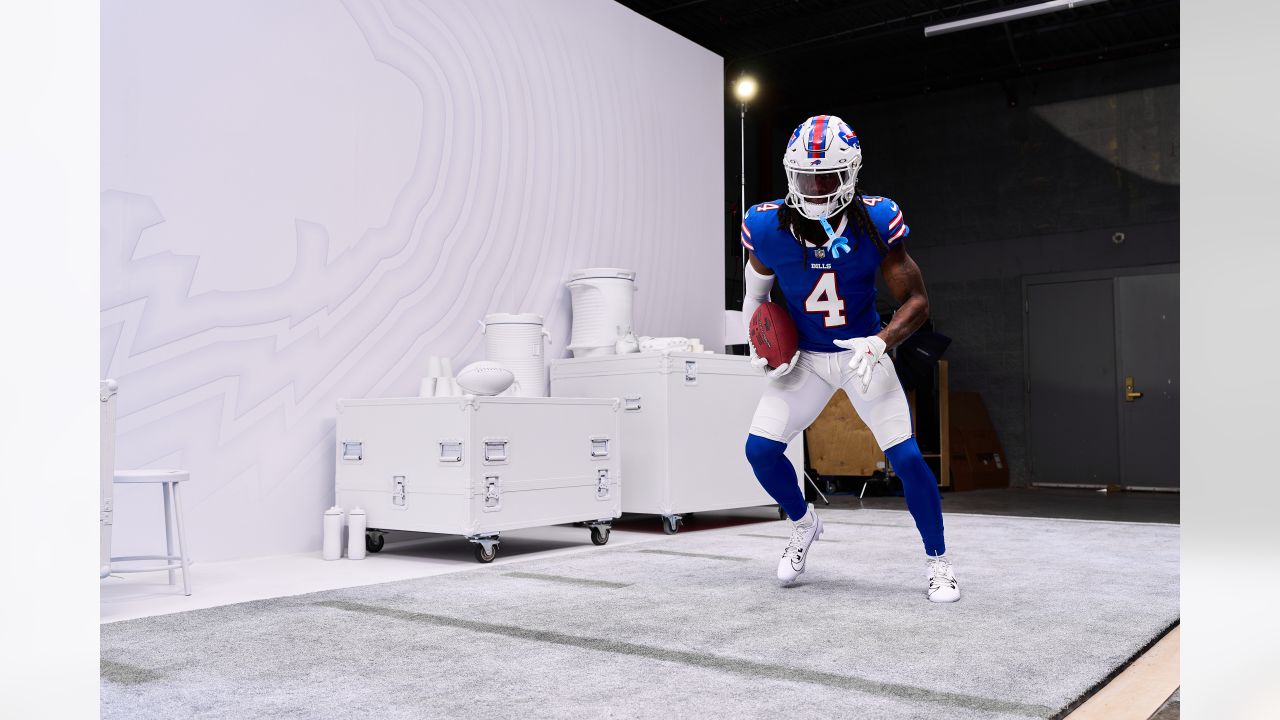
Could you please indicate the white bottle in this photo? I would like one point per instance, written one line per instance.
(355, 534)
(626, 344)
(333, 533)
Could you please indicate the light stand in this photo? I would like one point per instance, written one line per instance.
(742, 178)
(744, 89)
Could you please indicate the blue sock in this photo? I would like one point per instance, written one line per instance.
(921, 488)
(776, 474)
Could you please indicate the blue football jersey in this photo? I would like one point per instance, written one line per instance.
(830, 290)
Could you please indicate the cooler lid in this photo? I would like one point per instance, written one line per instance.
(586, 273)
(513, 319)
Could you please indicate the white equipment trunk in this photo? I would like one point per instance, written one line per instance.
(476, 466)
(685, 417)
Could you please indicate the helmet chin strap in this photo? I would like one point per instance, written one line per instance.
(838, 242)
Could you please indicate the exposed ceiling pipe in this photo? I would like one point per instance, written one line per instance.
(1005, 16)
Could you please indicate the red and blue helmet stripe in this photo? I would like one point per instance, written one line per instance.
(816, 142)
(818, 137)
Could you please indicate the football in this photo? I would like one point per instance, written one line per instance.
(773, 334)
(485, 378)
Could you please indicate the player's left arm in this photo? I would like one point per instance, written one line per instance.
(902, 276)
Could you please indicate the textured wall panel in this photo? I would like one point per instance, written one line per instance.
(302, 200)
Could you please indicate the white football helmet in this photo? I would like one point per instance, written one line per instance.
(822, 160)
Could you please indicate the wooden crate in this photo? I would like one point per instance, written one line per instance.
(977, 459)
(840, 443)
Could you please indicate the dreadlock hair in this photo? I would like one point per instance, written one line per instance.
(806, 230)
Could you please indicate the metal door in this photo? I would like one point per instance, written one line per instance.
(1147, 355)
(1071, 376)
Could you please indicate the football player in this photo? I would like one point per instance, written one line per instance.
(823, 245)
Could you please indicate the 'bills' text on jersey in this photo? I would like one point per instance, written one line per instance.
(830, 290)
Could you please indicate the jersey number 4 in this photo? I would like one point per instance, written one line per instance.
(824, 299)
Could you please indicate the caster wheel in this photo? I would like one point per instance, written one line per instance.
(599, 535)
(830, 486)
(670, 525)
(782, 514)
(486, 556)
(373, 542)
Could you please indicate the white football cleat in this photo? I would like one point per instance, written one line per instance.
(803, 533)
(943, 587)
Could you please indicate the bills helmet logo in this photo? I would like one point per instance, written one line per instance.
(848, 135)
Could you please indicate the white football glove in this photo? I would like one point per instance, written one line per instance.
(866, 354)
(783, 369)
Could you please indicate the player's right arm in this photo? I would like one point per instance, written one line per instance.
(758, 278)
(759, 281)
(759, 265)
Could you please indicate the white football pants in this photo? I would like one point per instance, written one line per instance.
(792, 402)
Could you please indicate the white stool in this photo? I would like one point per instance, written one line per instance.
(169, 480)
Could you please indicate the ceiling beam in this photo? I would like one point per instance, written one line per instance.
(843, 35)
(1005, 16)
(678, 6)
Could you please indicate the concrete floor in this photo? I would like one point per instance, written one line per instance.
(1036, 502)
(1171, 710)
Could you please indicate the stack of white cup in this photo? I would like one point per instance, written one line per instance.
(439, 381)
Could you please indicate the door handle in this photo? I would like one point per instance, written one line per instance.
(1129, 393)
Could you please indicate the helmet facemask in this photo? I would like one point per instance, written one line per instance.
(817, 194)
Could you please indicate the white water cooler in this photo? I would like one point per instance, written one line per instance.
(602, 309)
(518, 343)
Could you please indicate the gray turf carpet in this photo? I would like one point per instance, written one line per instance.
(684, 626)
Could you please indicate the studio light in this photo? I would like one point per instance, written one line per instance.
(745, 89)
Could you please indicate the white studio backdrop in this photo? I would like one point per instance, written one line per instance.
(302, 200)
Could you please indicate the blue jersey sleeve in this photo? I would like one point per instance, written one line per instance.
(888, 217)
(748, 223)
(757, 227)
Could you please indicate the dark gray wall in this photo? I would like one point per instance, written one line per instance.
(994, 193)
